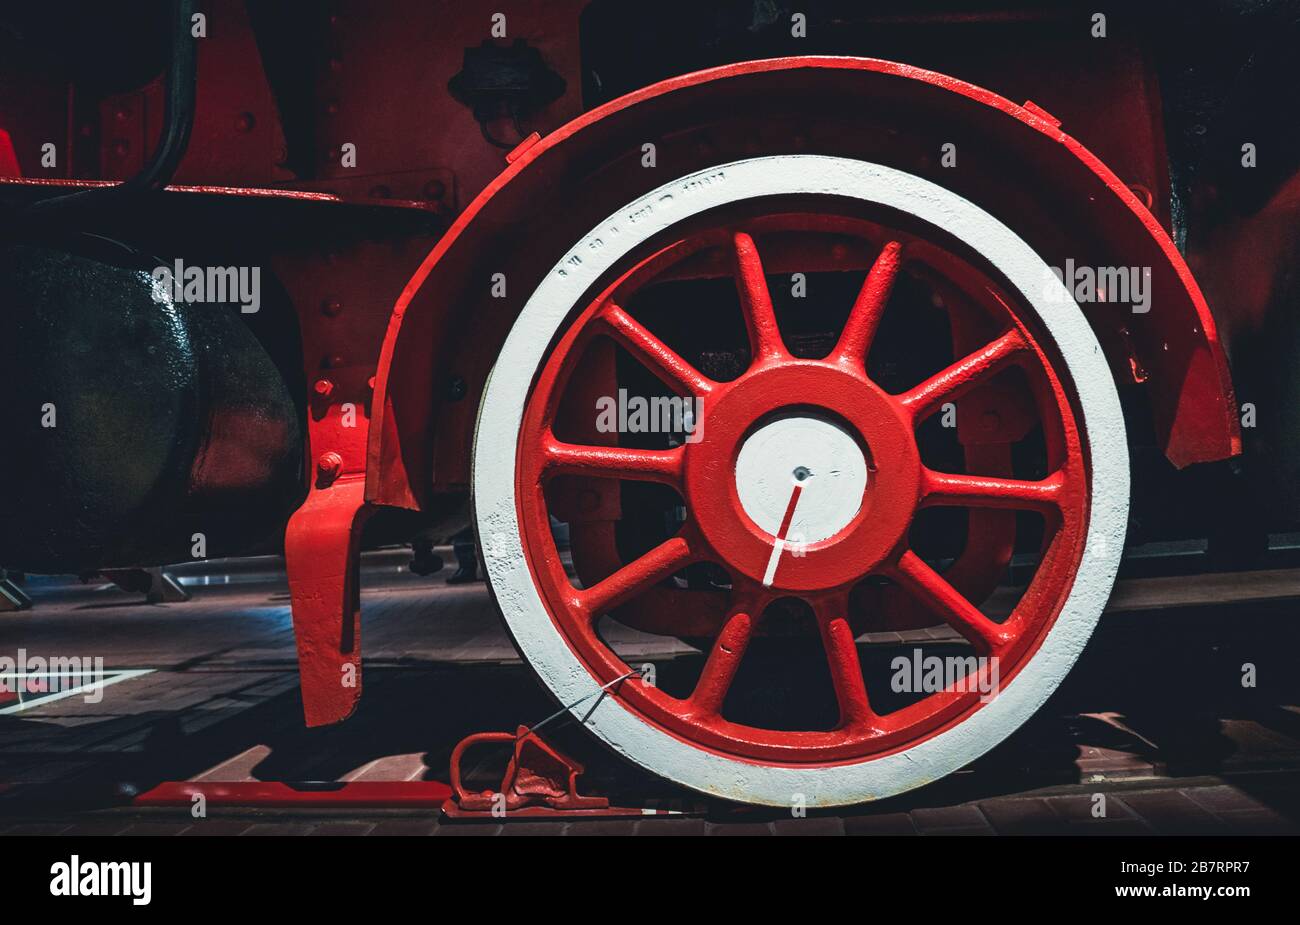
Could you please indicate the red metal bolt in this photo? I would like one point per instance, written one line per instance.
(329, 465)
(323, 388)
(245, 122)
(331, 307)
(1144, 194)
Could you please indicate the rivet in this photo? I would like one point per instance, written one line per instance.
(1143, 193)
(329, 465)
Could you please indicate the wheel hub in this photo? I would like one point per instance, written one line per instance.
(861, 467)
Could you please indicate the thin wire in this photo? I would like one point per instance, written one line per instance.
(598, 692)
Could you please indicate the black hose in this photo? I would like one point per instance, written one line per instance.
(178, 121)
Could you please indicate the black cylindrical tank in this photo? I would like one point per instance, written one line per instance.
(131, 421)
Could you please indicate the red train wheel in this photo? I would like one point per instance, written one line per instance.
(806, 481)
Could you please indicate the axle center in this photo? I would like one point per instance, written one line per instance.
(813, 454)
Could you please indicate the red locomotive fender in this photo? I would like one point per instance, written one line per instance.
(1015, 161)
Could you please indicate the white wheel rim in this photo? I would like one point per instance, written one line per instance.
(543, 645)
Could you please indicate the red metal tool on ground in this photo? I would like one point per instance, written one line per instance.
(537, 777)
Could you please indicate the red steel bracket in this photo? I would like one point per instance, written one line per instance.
(322, 555)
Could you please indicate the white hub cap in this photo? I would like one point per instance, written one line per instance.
(819, 457)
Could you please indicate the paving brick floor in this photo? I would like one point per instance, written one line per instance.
(1155, 718)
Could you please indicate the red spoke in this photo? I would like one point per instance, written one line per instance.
(842, 657)
(724, 658)
(755, 300)
(947, 602)
(657, 356)
(613, 462)
(963, 375)
(990, 491)
(668, 557)
(869, 308)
